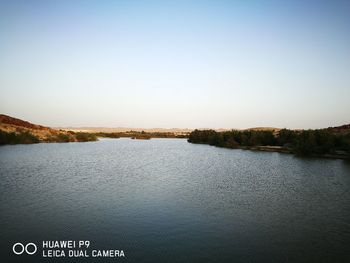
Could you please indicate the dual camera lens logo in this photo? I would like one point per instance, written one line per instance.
(19, 248)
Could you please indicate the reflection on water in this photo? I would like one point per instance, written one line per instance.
(166, 200)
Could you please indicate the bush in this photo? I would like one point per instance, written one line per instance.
(17, 138)
(85, 137)
(62, 137)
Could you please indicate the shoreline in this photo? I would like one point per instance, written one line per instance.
(266, 148)
(281, 149)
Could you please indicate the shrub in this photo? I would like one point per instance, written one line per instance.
(85, 137)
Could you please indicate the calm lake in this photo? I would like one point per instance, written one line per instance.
(166, 200)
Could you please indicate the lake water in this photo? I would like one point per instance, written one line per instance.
(166, 200)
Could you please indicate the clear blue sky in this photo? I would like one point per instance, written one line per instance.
(229, 64)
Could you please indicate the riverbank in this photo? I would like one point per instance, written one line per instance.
(17, 131)
(322, 143)
(281, 149)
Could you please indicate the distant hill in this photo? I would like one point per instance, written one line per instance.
(179, 131)
(263, 129)
(126, 129)
(15, 131)
(152, 130)
(14, 122)
(340, 129)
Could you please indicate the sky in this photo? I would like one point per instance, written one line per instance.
(194, 64)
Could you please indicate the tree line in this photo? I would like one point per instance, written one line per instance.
(304, 142)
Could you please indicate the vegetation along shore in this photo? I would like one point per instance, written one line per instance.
(331, 142)
(17, 131)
